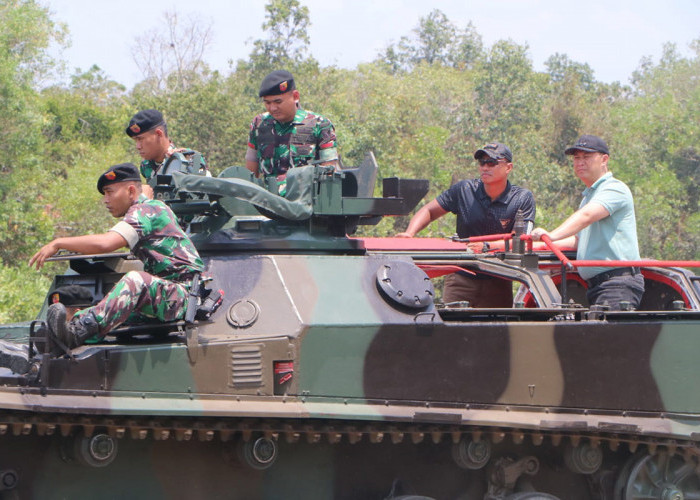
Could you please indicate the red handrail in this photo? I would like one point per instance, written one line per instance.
(489, 237)
(611, 263)
(636, 263)
(560, 255)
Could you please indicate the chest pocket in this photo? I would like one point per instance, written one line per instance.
(300, 138)
(304, 150)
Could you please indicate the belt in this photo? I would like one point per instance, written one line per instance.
(619, 271)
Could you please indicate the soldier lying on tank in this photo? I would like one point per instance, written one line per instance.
(150, 133)
(487, 205)
(151, 231)
(287, 136)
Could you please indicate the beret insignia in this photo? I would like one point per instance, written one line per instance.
(111, 175)
(283, 86)
(135, 128)
(55, 298)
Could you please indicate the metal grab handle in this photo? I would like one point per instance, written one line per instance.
(560, 255)
(489, 237)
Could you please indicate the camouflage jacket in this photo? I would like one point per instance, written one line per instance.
(280, 146)
(150, 168)
(154, 236)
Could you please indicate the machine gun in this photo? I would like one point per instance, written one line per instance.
(328, 201)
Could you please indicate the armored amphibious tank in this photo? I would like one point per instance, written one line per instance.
(324, 366)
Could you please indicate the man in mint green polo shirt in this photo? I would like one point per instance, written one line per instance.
(603, 228)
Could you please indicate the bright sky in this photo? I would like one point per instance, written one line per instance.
(610, 35)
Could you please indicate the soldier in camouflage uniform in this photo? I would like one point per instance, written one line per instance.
(287, 136)
(151, 230)
(150, 133)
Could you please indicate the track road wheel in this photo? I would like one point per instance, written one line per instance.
(98, 450)
(659, 477)
(8, 479)
(584, 458)
(259, 452)
(471, 455)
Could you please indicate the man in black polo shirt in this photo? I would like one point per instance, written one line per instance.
(486, 205)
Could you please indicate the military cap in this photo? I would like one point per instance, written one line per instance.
(71, 296)
(143, 121)
(276, 83)
(494, 150)
(589, 144)
(118, 173)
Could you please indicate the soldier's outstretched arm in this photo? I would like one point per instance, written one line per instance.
(87, 244)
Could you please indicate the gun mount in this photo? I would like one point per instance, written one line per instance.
(319, 200)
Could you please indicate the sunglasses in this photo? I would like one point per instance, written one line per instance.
(489, 161)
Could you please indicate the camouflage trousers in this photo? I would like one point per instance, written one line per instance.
(136, 297)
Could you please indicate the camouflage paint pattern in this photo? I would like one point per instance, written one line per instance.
(314, 349)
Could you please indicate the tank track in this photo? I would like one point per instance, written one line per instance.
(315, 430)
(91, 440)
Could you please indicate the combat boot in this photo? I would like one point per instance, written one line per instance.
(45, 343)
(57, 330)
(81, 329)
(71, 334)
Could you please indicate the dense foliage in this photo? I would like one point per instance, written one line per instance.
(423, 106)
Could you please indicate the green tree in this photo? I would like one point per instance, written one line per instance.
(508, 95)
(91, 108)
(654, 138)
(26, 31)
(212, 117)
(287, 42)
(436, 40)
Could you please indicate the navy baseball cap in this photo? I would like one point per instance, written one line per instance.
(494, 150)
(589, 144)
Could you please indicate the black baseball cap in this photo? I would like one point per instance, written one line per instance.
(118, 173)
(589, 144)
(71, 296)
(494, 150)
(143, 121)
(276, 83)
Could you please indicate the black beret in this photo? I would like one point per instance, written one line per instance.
(71, 295)
(118, 173)
(276, 83)
(496, 151)
(589, 144)
(143, 121)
